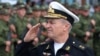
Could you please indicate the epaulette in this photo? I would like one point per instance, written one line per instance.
(79, 45)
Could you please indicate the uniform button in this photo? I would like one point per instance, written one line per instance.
(73, 42)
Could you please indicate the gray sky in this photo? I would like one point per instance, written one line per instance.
(10, 1)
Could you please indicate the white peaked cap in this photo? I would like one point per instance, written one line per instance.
(56, 8)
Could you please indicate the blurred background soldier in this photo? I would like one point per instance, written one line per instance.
(8, 6)
(18, 23)
(96, 30)
(76, 10)
(43, 13)
(37, 17)
(44, 10)
(29, 19)
(30, 22)
(82, 30)
(5, 36)
(36, 13)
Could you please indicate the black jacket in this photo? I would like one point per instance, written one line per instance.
(72, 47)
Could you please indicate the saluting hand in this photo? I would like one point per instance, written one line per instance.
(32, 33)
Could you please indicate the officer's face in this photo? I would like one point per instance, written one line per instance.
(54, 28)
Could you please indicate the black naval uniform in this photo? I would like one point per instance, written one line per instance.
(71, 48)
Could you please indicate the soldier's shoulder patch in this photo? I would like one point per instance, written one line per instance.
(79, 45)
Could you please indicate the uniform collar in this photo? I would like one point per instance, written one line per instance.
(66, 47)
(49, 48)
(68, 44)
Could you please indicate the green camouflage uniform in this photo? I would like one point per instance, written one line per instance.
(30, 20)
(96, 36)
(79, 29)
(18, 22)
(37, 8)
(20, 25)
(4, 34)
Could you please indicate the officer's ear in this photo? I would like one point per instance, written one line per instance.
(66, 26)
(64, 23)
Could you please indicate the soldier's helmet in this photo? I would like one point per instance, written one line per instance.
(29, 10)
(7, 5)
(75, 6)
(85, 7)
(44, 7)
(4, 12)
(20, 6)
(36, 8)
